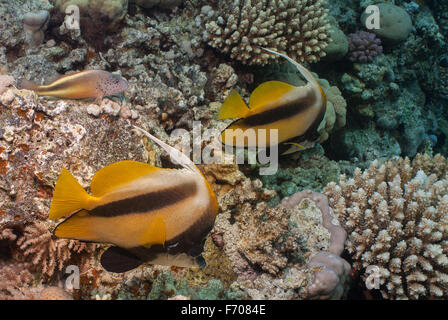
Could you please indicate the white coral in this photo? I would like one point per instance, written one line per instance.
(396, 216)
(297, 27)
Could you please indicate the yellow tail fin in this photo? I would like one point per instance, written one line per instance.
(68, 196)
(233, 107)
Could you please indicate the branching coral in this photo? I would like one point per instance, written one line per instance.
(396, 215)
(297, 27)
(39, 248)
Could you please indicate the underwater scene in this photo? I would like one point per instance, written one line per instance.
(223, 150)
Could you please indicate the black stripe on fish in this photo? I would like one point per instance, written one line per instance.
(146, 202)
(311, 134)
(279, 113)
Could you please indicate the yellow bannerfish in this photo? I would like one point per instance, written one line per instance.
(155, 215)
(295, 112)
(94, 84)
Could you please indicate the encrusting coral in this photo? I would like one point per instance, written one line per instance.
(14, 281)
(297, 27)
(16, 284)
(34, 25)
(364, 47)
(332, 271)
(396, 216)
(285, 252)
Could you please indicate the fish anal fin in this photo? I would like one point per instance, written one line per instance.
(68, 196)
(268, 92)
(118, 174)
(156, 233)
(118, 260)
(233, 107)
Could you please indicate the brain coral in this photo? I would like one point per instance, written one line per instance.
(297, 27)
(396, 216)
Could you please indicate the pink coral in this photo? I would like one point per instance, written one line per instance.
(364, 47)
(39, 248)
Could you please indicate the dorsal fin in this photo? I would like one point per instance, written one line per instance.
(176, 156)
(267, 92)
(233, 107)
(304, 71)
(118, 174)
(156, 233)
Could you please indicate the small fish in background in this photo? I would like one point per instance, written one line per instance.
(94, 84)
(150, 214)
(295, 112)
(5, 82)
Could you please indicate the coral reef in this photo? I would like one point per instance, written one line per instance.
(364, 47)
(312, 170)
(396, 218)
(271, 240)
(297, 27)
(14, 281)
(48, 255)
(333, 271)
(338, 44)
(35, 24)
(269, 248)
(161, 3)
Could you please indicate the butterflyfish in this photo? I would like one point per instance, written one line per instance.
(149, 214)
(295, 112)
(94, 84)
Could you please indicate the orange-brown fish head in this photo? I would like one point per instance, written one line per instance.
(114, 85)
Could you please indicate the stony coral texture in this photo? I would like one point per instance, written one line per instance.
(396, 216)
(297, 27)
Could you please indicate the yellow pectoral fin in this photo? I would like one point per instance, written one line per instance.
(268, 92)
(156, 233)
(296, 144)
(79, 226)
(118, 174)
(68, 196)
(233, 107)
